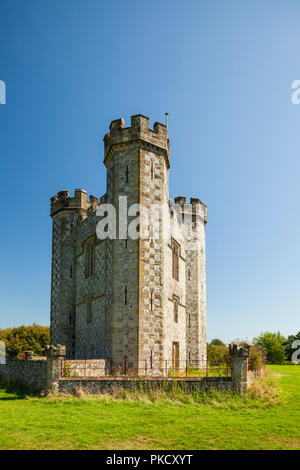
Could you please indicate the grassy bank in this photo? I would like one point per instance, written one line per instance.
(213, 421)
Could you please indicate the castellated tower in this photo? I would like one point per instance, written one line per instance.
(65, 212)
(144, 297)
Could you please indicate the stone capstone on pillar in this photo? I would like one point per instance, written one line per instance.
(55, 356)
(239, 366)
(29, 355)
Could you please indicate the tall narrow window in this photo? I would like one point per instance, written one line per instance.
(89, 258)
(71, 270)
(127, 174)
(175, 302)
(89, 310)
(150, 229)
(175, 356)
(151, 301)
(125, 295)
(152, 171)
(93, 259)
(189, 274)
(175, 260)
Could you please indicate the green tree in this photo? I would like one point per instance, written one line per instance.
(24, 338)
(274, 344)
(288, 345)
(217, 354)
(217, 342)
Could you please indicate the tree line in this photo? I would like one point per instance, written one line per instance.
(35, 337)
(279, 349)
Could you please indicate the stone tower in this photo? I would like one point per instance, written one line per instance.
(137, 161)
(141, 297)
(65, 212)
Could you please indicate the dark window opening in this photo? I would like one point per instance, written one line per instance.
(151, 359)
(175, 356)
(175, 261)
(89, 311)
(89, 258)
(176, 303)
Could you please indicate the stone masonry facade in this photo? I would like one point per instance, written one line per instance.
(124, 297)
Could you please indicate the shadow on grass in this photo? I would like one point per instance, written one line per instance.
(17, 390)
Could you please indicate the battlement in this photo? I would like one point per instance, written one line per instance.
(62, 201)
(138, 131)
(195, 207)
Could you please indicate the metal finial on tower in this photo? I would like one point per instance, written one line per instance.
(167, 114)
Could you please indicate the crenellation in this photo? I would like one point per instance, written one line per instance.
(181, 200)
(63, 202)
(140, 121)
(138, 134)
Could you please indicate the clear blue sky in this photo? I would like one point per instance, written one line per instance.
(223, 70)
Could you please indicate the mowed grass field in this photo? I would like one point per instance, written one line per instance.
(211, 422)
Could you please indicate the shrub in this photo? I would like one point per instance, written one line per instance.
(256, 357)
(218, 354)
(69, 371)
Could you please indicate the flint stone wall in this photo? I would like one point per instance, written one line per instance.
(32, 373)
(113, 385)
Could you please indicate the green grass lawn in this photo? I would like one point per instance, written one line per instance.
(213, 423)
